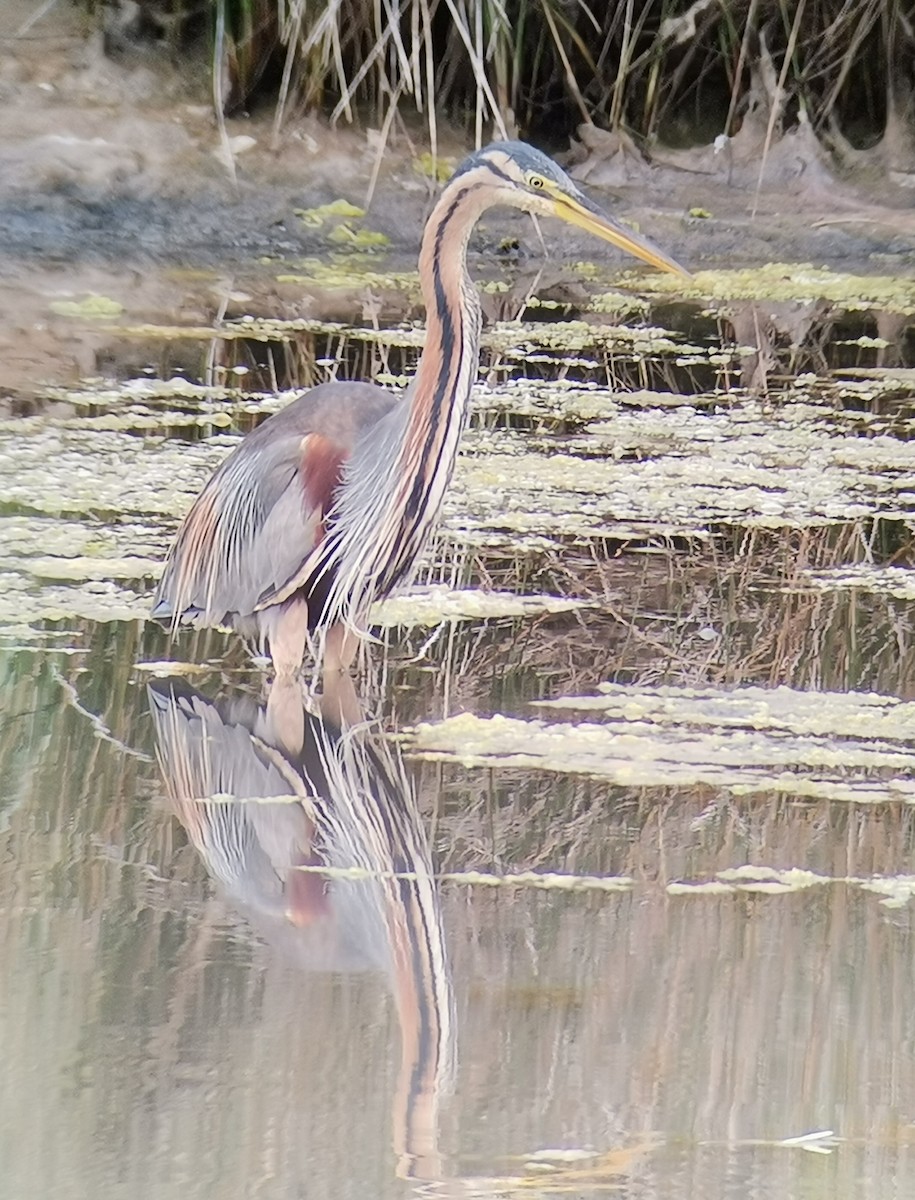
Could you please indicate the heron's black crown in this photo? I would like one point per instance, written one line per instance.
(526, 157)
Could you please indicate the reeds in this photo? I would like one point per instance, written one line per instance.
(660, 71)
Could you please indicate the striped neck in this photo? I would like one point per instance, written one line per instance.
(401, 470)
(452, 306)
(440, 395)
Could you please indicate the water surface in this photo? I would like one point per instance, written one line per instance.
(548, 976)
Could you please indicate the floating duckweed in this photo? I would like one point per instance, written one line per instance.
(91, 307)
(171, 333)
(343, 274)
(585, 270)
(517, 338)
(102, 392)
(622, 305)
(677, 472)
(314, 218)
(588, 463)
(361, 239)
(41, 553)
(898, 582)
(69, 472)
(711, 887)
(433, 166)
(865, 343)
(433, 605)
(22, 608)
(536, 302)
(787, 281)
(54, 569)
(23, 536)
(168, 668)
(642, 464)
(839, 714)
(86, 568)
(755, 878)
(641, 752)
(898, 890)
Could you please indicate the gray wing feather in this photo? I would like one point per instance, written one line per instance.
(249, 526)
(252, 527)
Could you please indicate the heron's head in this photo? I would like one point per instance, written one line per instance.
(521, 177)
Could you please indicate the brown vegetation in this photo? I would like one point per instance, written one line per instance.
(833, 76)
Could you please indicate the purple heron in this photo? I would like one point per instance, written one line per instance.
(327, 505)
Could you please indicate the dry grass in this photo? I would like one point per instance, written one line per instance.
(659, 71)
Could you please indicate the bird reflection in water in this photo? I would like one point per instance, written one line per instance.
(285, 805)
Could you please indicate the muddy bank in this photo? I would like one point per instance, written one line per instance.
(212, 229)
(103, 159)
(70, 226)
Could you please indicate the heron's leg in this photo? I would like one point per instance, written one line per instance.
(339, 703)
(288, 637)
(340, 648)
(286, 714)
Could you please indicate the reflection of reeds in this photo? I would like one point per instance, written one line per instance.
(732, 347)
(736, 609)
(604, 353)
(156, 1044)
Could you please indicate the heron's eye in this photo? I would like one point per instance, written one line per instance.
(536, 181)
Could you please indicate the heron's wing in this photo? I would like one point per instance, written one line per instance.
(252, 525)
(250, 847)
(262, 513)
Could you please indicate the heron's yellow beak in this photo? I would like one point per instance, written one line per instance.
(586, 216)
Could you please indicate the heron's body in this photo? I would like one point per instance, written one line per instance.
(327, 505)
(263, 512)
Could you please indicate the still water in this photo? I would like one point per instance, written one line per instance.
(258, 947)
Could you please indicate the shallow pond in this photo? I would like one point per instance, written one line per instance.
(611, 890)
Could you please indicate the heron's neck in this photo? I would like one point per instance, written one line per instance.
(448, 366)
(404, 468)
(452, 305)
